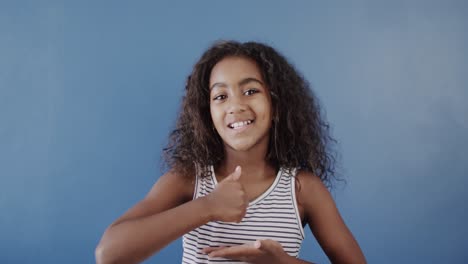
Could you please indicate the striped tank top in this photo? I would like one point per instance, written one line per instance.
(273, 215)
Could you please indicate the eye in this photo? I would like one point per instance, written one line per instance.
(251, 91)
(219, 97)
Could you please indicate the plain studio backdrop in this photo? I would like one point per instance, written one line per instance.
(89, 91)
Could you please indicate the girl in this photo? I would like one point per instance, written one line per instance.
(250, 166)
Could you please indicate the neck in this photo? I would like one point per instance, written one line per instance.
(253, 163)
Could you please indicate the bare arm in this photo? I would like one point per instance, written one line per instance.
(165, 214)
(326, 223)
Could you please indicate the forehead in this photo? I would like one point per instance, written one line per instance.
(234, 68)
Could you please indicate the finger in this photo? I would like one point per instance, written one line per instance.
(267, 245)
(208, 250)
(236, 251)
(235, 175)
(258, 244)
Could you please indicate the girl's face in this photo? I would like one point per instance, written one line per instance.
(240, 103)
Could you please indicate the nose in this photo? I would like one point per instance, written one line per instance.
(236, 105)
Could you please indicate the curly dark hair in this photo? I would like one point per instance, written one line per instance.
(299, 137)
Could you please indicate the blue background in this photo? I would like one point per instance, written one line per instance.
(89, 91)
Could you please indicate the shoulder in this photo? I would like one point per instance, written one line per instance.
(309, 182)
(312, 193)
(175, 183)
(169, 191)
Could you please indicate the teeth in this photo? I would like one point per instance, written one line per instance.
(240, 124)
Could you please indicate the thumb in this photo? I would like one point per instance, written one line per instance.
(235, 175)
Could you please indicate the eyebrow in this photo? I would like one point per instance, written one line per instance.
(241, 83)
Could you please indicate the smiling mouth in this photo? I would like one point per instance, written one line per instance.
(241, 124)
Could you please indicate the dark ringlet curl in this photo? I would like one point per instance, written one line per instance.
(299, 137)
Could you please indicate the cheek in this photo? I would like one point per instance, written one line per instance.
(215, 116)
(265, 110)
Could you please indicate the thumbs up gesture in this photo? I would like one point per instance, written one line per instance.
(228, 202)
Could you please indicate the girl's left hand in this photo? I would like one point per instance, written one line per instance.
(259, 252)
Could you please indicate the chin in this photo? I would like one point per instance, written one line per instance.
(240, 146)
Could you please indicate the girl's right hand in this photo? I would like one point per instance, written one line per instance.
(228, 201)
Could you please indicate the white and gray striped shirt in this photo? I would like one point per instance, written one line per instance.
(273, 215)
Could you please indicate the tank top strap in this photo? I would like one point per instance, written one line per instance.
(204, 184)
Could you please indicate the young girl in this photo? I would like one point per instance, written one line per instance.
(250, 166)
